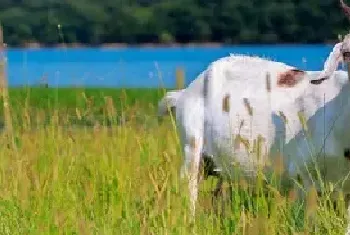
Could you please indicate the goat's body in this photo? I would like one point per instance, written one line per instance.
(202, 119)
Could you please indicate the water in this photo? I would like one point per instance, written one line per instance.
(140, 67)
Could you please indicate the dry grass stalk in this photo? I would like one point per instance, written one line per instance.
(248, 107)
(226, 103)
(59, 219)
(259, 147)
(180, 78)
(311, 202)
(4, 89)
(83, 226)
(283, 116)
(237, 142)
(110, 107)
(89, 192)
(268, 82)
(348, 69)
(253, 227)
(78, 113)
(243, 184)
(303, 121)
(241, 140)
(279, 165)
(55, 118)
(262, 224)
(97, 127)
(26, 113)
(70, 135)
(292, 195)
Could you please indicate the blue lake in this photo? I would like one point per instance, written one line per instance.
(140, 67)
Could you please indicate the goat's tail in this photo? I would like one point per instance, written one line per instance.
(168, 102)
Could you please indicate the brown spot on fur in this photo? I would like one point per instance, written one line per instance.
(226, 103)
(290, 78)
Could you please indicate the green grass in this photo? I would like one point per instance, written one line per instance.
(71, 98)
(81, 106)
(101, 177)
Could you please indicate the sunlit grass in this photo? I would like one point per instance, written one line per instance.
(108, 176)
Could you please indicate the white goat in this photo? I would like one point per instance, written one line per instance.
(241, 99)
(231, 103)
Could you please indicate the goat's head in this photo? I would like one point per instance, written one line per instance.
(345, 50)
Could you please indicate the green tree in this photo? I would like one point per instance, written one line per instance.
(142, 21)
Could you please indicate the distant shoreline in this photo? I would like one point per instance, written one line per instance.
(34, 45)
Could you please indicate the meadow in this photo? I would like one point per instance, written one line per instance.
(100, 161)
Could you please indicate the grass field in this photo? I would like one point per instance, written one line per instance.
(99, 161)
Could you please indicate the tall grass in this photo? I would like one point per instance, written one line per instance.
(118, 173)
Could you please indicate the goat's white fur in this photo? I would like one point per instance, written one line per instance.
(200, 117)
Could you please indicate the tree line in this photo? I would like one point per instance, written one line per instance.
(95, 22)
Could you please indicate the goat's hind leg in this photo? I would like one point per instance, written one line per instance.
(194, 148)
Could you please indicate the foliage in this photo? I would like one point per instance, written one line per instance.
(145, 21)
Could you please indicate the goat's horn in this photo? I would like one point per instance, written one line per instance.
(345, 8)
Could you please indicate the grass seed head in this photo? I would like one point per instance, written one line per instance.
(248, 106)
(268, 82)
(226, 104)
(311, 201)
